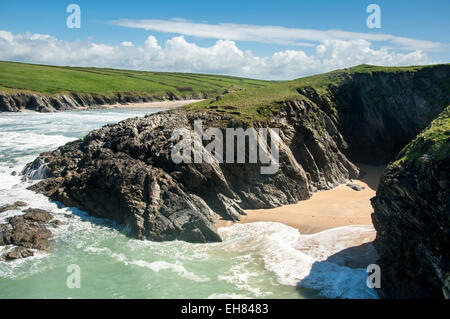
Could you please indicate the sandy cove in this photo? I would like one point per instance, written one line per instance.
(153, 105)
(340, 206)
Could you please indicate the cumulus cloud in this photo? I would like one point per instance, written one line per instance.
(177, 54)
(270, 34)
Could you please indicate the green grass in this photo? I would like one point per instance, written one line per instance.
(50, 80)
(259, 103)
(433, 141)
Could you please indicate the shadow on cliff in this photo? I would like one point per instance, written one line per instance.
(85, 217)
(371, 174)
(342, 275)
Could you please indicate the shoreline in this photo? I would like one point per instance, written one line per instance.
(146, 105)
(337, 207)
(164, 105)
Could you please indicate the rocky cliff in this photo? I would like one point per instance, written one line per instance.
(412, 217)
(125, 172)
(378, 113)
(18, 102)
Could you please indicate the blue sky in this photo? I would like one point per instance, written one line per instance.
(284, 39)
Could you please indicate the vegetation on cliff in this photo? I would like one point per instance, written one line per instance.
(259, 104)
(433, 141)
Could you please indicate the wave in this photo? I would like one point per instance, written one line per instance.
(157, 266)
(300, 260)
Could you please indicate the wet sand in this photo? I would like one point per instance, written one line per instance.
(341, 206)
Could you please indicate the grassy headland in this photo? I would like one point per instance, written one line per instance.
(51, 80)
(434, 141)
(259, 103)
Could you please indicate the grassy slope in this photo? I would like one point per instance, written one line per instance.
(433, 141)
(20, 77)
(258, 104)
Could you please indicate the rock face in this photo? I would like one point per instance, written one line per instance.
(16, 205)
(25, 233)
(379, 113)
(125, 172)
(412, 217)
(63, 102)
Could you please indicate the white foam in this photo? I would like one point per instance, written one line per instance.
(227, 296)
(299, 259)
(158, 266)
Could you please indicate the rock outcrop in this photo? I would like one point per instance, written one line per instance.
(379, 113)
(16, 205)
(412, 217)
(24, 234)
(125, 172)
(63, 102)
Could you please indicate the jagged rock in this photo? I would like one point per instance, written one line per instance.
(412, 217)
(356, 187)
(38, 215)
(379, 113)
(231, 208)
(14, 206)
(446, 286)
(17, 253)
(26, 232)
(62, 102)
(125, 172)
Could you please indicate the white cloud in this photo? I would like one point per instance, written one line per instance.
(177, 54)
(127, 44)
(270, 34)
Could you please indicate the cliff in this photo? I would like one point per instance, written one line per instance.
(327, 123)
(125, 172)
(18, 102)
(45, 88)
(411, 216)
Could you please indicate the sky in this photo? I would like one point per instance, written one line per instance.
(276, 40)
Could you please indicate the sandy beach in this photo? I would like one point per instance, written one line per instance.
(341, 206)
(154, 105)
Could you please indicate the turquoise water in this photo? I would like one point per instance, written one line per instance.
(259, 260)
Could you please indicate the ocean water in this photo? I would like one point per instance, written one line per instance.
(258, 260)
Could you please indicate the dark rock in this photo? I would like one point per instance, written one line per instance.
(356, 187)
(62, 102)
(17, 253)
(26, 233)
(14, 206)
(125, 172)
(380, 112)
(38, 215)
(55, 223)
(411, 216)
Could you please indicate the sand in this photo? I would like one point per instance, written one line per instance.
(154, 105)
(341, 206)
(163, 105)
